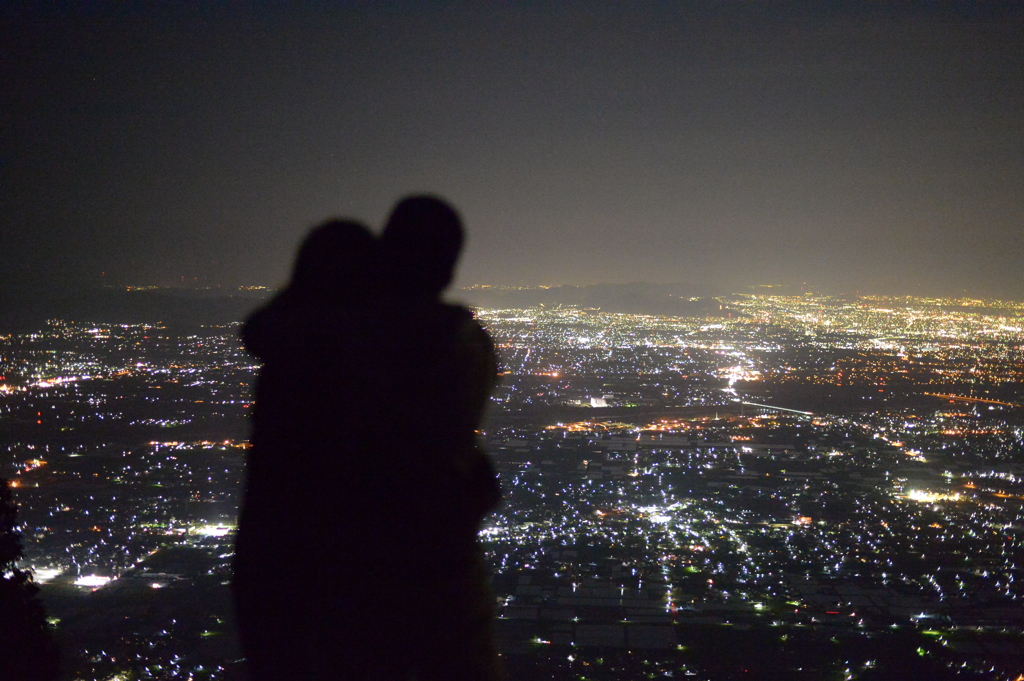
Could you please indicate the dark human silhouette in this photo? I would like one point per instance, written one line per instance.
(27, 649)
(357, 554)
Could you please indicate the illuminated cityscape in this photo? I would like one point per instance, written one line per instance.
(752, 270)
(832, 485)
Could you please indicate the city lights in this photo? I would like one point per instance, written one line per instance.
(811, 465)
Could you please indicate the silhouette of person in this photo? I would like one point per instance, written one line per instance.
(280, 563)
(452, 369)
(357, 555)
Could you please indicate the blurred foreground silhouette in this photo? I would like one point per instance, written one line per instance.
(27, 649)
(357, 554)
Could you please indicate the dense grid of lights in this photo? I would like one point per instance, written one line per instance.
(695, 482)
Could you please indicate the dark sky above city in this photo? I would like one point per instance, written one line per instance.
(854, 147)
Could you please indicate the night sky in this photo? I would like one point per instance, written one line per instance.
(854, 147)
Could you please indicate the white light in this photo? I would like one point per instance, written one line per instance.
(43, 575)
(212, 530)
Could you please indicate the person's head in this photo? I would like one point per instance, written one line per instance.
(420, 245)
(334, 259)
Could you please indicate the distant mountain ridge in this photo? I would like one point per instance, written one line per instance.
(676, 300)
(26, 311)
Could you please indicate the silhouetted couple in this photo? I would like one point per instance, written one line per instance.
(357, 554)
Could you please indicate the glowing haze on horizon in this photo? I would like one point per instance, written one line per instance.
(868, 148)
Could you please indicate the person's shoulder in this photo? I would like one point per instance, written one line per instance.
(463, 323)
(290, 322)
(457, 313)
(431, 313)
(261, 326)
